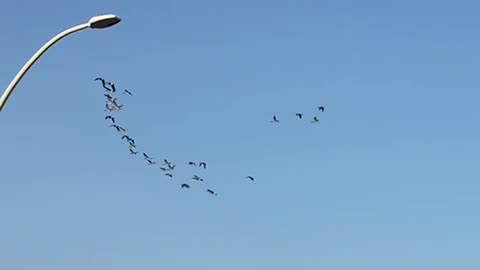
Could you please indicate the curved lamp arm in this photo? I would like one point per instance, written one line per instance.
(102, 21)
(35, 57)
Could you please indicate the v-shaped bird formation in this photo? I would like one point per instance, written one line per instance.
(167, 167)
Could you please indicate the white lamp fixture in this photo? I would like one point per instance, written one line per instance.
(97, 22)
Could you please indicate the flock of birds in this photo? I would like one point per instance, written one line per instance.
(300, 116)
(168, 167)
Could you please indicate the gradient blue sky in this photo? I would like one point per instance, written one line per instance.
(388, 180)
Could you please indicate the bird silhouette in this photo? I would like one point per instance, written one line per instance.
(169, 175)
(111, 118)
(275, 120)
(211, 192)
(132, 152)
(299, 115)
(196, 177)
(321, 108)
(115, 104)
(110, 99)
(202, 164)
(126, 137)
(108, 108)
(192, 163)
(145, 156)
(251, 178)
(104, 84)
(151, 162)
(119, 128)
(185, 186)
(126, 92)
(315, 120)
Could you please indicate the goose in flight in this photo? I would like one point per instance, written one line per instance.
(321, 108)
(151, 162)
(163, 169)
(104, 84)
(185, 186)
(126, 137)
(171, 167)
(110, 98)
(111, 118)
(145, 156)
(275, 120)
(113, 87)
(192, 163)
(126, 92)
(108, 109)
(115, 104)
(132, 152)
(202, 164)
(211, 192)
(315, 120)
(196, 177)
(119, 128)
(169, 175)
(251, 178)
(299, 115)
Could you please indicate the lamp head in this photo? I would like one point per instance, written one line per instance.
(103, 21)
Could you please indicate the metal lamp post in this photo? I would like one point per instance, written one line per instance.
(97, 22)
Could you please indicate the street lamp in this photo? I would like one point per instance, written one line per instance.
(97, 22)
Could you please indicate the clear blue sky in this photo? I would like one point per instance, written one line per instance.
(388, 180)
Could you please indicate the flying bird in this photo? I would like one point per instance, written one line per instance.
(192, 163)
(275, 120)
(150, 162)
(126, 92)
(111, 99)
(185, 186)
(108, 109)
(299, 115)
(171, 167)
(315, 120)
(169, 175)
(202, 164)
(111, 118)
(119, 128)
(104, 84)
(211, 192)
(126, 137)
(251, 178)
(115, 104)
(146, 156)
(133, 152)
(321, 108)
(196, 177)
(113, 87)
